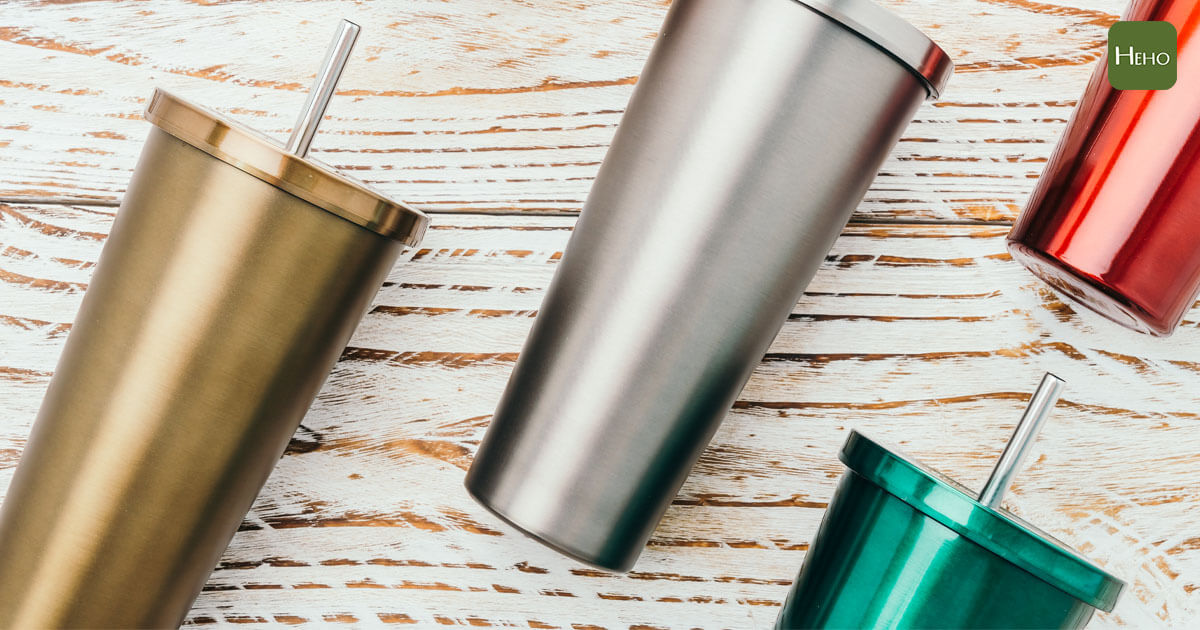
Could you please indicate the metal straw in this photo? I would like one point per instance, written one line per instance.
(322, 89)
(1040, 406)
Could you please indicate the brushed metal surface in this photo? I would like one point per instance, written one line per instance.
(264, 158)
(892, 33)
(754, 131)
(902, 546)
(218, 306)
(878, 562)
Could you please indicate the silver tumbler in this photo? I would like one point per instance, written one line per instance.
(755, 129)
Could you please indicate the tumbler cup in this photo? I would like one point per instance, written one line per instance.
(1114, 222)
(233, 277)
(902, 546)
(754, 131)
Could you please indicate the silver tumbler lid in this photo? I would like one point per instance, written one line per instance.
(893, 35)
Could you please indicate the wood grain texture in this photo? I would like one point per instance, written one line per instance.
(918, 330)
(925, 336)
(480, 106)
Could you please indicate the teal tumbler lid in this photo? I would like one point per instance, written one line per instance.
(996, 530)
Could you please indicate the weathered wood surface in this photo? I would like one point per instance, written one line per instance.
(926, 336)
(916, 331)
(475, 105)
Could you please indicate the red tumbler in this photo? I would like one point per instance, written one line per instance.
(1114, 222)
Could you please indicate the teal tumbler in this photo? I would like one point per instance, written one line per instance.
(902, 546)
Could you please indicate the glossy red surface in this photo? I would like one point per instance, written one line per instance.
(1115, 219)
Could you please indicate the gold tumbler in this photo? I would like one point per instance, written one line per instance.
(234, 275)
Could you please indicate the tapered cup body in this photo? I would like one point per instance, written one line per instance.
(903, 547)
(877, 562)
(755, 129)
(217, 308)
(1114, 222)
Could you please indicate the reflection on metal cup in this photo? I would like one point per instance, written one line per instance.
(754, 131)
(232, 279)
(904, 547)
(1113, 223)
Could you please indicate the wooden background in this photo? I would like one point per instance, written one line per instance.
(495, 114)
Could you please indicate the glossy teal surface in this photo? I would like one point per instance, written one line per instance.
(923, 553)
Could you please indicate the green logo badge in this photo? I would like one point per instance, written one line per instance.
(1142, 55)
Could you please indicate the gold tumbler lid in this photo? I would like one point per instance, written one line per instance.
(246, 149)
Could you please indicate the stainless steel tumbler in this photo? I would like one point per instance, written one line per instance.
(235, 272)
(906, 548)
(754, 131)
(1114, 222)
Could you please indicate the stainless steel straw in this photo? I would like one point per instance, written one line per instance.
(232, 279)
(1018, 446)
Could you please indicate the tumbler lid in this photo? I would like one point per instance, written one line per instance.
(998, 531)
(246, 149)
(894, 36)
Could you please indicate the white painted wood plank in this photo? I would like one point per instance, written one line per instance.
(924, 336)
(463, 106)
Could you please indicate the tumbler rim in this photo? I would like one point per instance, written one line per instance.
(306, 178)
(894, 35)
(998, 531)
